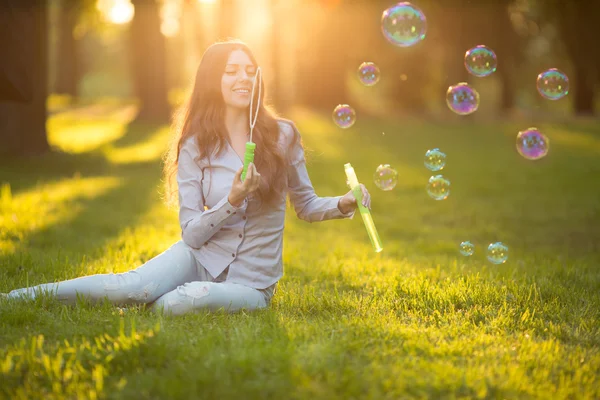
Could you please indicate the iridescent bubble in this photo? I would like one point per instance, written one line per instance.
(403, 24)
(462, 99)
(497, 253)
(385, 177)
(553, 84)
(435, 160)
(344, 116)
(368, 73)
(532, 144)
(438, 187)
(467, 248)
(480, 61)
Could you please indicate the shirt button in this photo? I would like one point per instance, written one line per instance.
(232, 254)
(205, 243)
(244, 217)
(233, 213)
(212, 225)
(228, 212)
(240, 235)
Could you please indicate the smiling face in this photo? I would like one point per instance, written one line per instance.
(238, 77)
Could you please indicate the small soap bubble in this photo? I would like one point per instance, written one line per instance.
(480, 61)
(368, 73)
(532, 144)
(497, 253)
(385, 177)
(403, 24)
(462, 99)
(553, 84)
(467, 248)
(435, 160)
(438, 187)
(344, 116)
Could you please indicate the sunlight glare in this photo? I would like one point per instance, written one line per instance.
(121, 12)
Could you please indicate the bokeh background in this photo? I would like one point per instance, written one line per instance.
(146, 51)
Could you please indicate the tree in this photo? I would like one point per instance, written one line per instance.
(323, 60)
(578, 23)
(24, 26)
(148, 62)
(276, 36)
(68, 61)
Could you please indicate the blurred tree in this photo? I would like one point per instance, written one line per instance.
(460, 25)
(578, 23)
(15, 83)
(276, 34)
(68, 58)
(148, 62)
(323, 60)
(24, 27)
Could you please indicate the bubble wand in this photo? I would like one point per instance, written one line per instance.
(250, 146)
(364, 211)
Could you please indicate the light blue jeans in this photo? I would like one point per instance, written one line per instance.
(172, 282)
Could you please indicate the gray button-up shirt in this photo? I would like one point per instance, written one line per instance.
(246, 239)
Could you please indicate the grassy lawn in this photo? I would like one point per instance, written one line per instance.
(415, 321)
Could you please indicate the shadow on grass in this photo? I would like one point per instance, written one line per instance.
(87, 231)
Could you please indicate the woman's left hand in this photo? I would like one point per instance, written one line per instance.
(348, 202)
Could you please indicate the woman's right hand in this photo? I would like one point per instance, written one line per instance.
(239, 189)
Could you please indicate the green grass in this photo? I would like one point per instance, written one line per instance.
(416, 321)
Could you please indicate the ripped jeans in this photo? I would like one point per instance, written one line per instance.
(170, 282)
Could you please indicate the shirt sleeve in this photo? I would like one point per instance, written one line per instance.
(308, 206)
(197, 225)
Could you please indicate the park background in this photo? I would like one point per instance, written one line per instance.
(80, 175)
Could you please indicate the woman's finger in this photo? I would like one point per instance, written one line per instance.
(249, 176)
(238, 174)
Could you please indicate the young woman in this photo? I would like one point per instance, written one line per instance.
(230, 255)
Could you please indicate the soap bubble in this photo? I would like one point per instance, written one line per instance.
(403, 24)
(553, 84)
(385, 177)
(497, 253)
(462, 99)
(368, 73)
(344, 116)
(467, 248)
(532, 144)
(435, 159)
(438, 187)
(480, 61)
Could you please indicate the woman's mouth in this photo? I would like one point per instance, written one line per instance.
(242, 91)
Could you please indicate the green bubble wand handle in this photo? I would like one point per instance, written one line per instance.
(364, 211)
(250, 145)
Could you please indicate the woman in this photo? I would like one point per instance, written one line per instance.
(230, 255)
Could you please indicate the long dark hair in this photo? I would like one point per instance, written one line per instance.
(202, 116)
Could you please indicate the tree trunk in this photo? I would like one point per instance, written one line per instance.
(69, 71)
(584, 91)
(276, 96)
(507, 47)
(23, 125)
(322, 74)
(576, 21)
(452, 31)
(148, 62)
